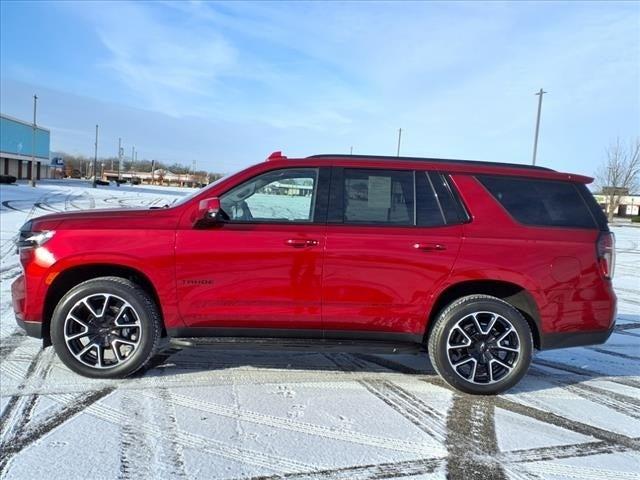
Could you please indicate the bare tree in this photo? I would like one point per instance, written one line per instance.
(620, 175)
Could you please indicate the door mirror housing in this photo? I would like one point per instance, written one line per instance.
(210, 212)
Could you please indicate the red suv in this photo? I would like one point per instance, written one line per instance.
(478, 262)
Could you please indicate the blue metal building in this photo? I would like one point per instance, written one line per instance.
(17, 146)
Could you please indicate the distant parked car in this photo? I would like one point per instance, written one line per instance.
(102, 182)
(479, 262)
(7, 179)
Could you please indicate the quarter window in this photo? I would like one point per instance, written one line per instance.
(378, 197)
(540, 202)
(286, 195)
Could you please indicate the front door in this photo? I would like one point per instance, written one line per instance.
(388, 247)
(261, 269)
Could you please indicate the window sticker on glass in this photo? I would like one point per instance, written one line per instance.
(379, 192)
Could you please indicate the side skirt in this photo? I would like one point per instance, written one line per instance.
(298, 340)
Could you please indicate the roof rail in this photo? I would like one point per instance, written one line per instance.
(433, 160)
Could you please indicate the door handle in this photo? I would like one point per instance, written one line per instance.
(429, 247)
(301, 242)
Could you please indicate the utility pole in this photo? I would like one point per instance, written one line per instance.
(399, 139)
(535, 139)
(33, 144)
(95, 160)
(120, 152)
(351, 150)
(133, 154)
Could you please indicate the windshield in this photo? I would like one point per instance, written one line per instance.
(193, 194)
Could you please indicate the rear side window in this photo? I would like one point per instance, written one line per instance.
(378, 197)
(540, 202)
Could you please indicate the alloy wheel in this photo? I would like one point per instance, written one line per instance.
(483, 347)
(102, 330)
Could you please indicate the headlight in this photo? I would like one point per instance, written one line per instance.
(34, 239)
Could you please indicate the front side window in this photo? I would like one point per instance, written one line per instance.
(286, 195)
(378, 197)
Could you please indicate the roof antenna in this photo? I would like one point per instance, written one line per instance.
(399, 139)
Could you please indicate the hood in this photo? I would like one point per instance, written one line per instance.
(100, 219)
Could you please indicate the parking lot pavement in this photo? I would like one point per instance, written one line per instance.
(202, 410)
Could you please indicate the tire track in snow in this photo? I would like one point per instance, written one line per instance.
(423, 416)
(199, 443)
(37, 431)
(408, 468)
(293, 425)
(628, 382)
(472, 444)
(136, 453)
(535, 413)
(618, 402)
(166, 418)
(10, 343)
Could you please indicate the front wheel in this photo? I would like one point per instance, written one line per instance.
(106, 327)
(481, 345)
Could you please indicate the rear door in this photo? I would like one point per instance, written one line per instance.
(389, 244)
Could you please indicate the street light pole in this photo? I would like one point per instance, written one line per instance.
(399, 139)
(95, 160)
(535, 139)
(33, 144)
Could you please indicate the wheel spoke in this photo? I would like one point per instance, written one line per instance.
(495, 360)
(472, 377)
(99, 353)
(88, 305)
(75, 336)
(493, 321)
(124, 341)
(116, 352)
(86, 348)
(121, 313)
(78, 321)
(508, 349)
(505, 334)
(467, 360)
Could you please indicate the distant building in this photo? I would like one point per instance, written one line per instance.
(629, 203)
(157, 177)
(16, 146)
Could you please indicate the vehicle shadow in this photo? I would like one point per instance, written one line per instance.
(569, 369)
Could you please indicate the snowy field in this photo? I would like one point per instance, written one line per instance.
(200, 412)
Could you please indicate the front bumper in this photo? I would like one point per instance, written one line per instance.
(33, 329)
(19, 301)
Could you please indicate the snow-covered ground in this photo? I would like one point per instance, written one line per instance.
(203, 412)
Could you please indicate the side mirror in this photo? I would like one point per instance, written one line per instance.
(210, 212)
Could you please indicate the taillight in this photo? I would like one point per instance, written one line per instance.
(606, 248)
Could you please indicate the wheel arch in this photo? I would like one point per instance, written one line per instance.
(72, 276)
(514, 294)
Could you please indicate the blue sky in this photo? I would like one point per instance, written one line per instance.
(227, 83)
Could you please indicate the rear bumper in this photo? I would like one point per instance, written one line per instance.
(551, 341)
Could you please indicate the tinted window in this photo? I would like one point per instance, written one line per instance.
(429, 211)
(452, 208)
(540, 202)
(278, 196)
(378, 196)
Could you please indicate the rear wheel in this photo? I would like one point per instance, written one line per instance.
(481, 345)
(106, 327)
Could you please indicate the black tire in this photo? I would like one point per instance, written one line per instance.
(144, 308)
(484, 383)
